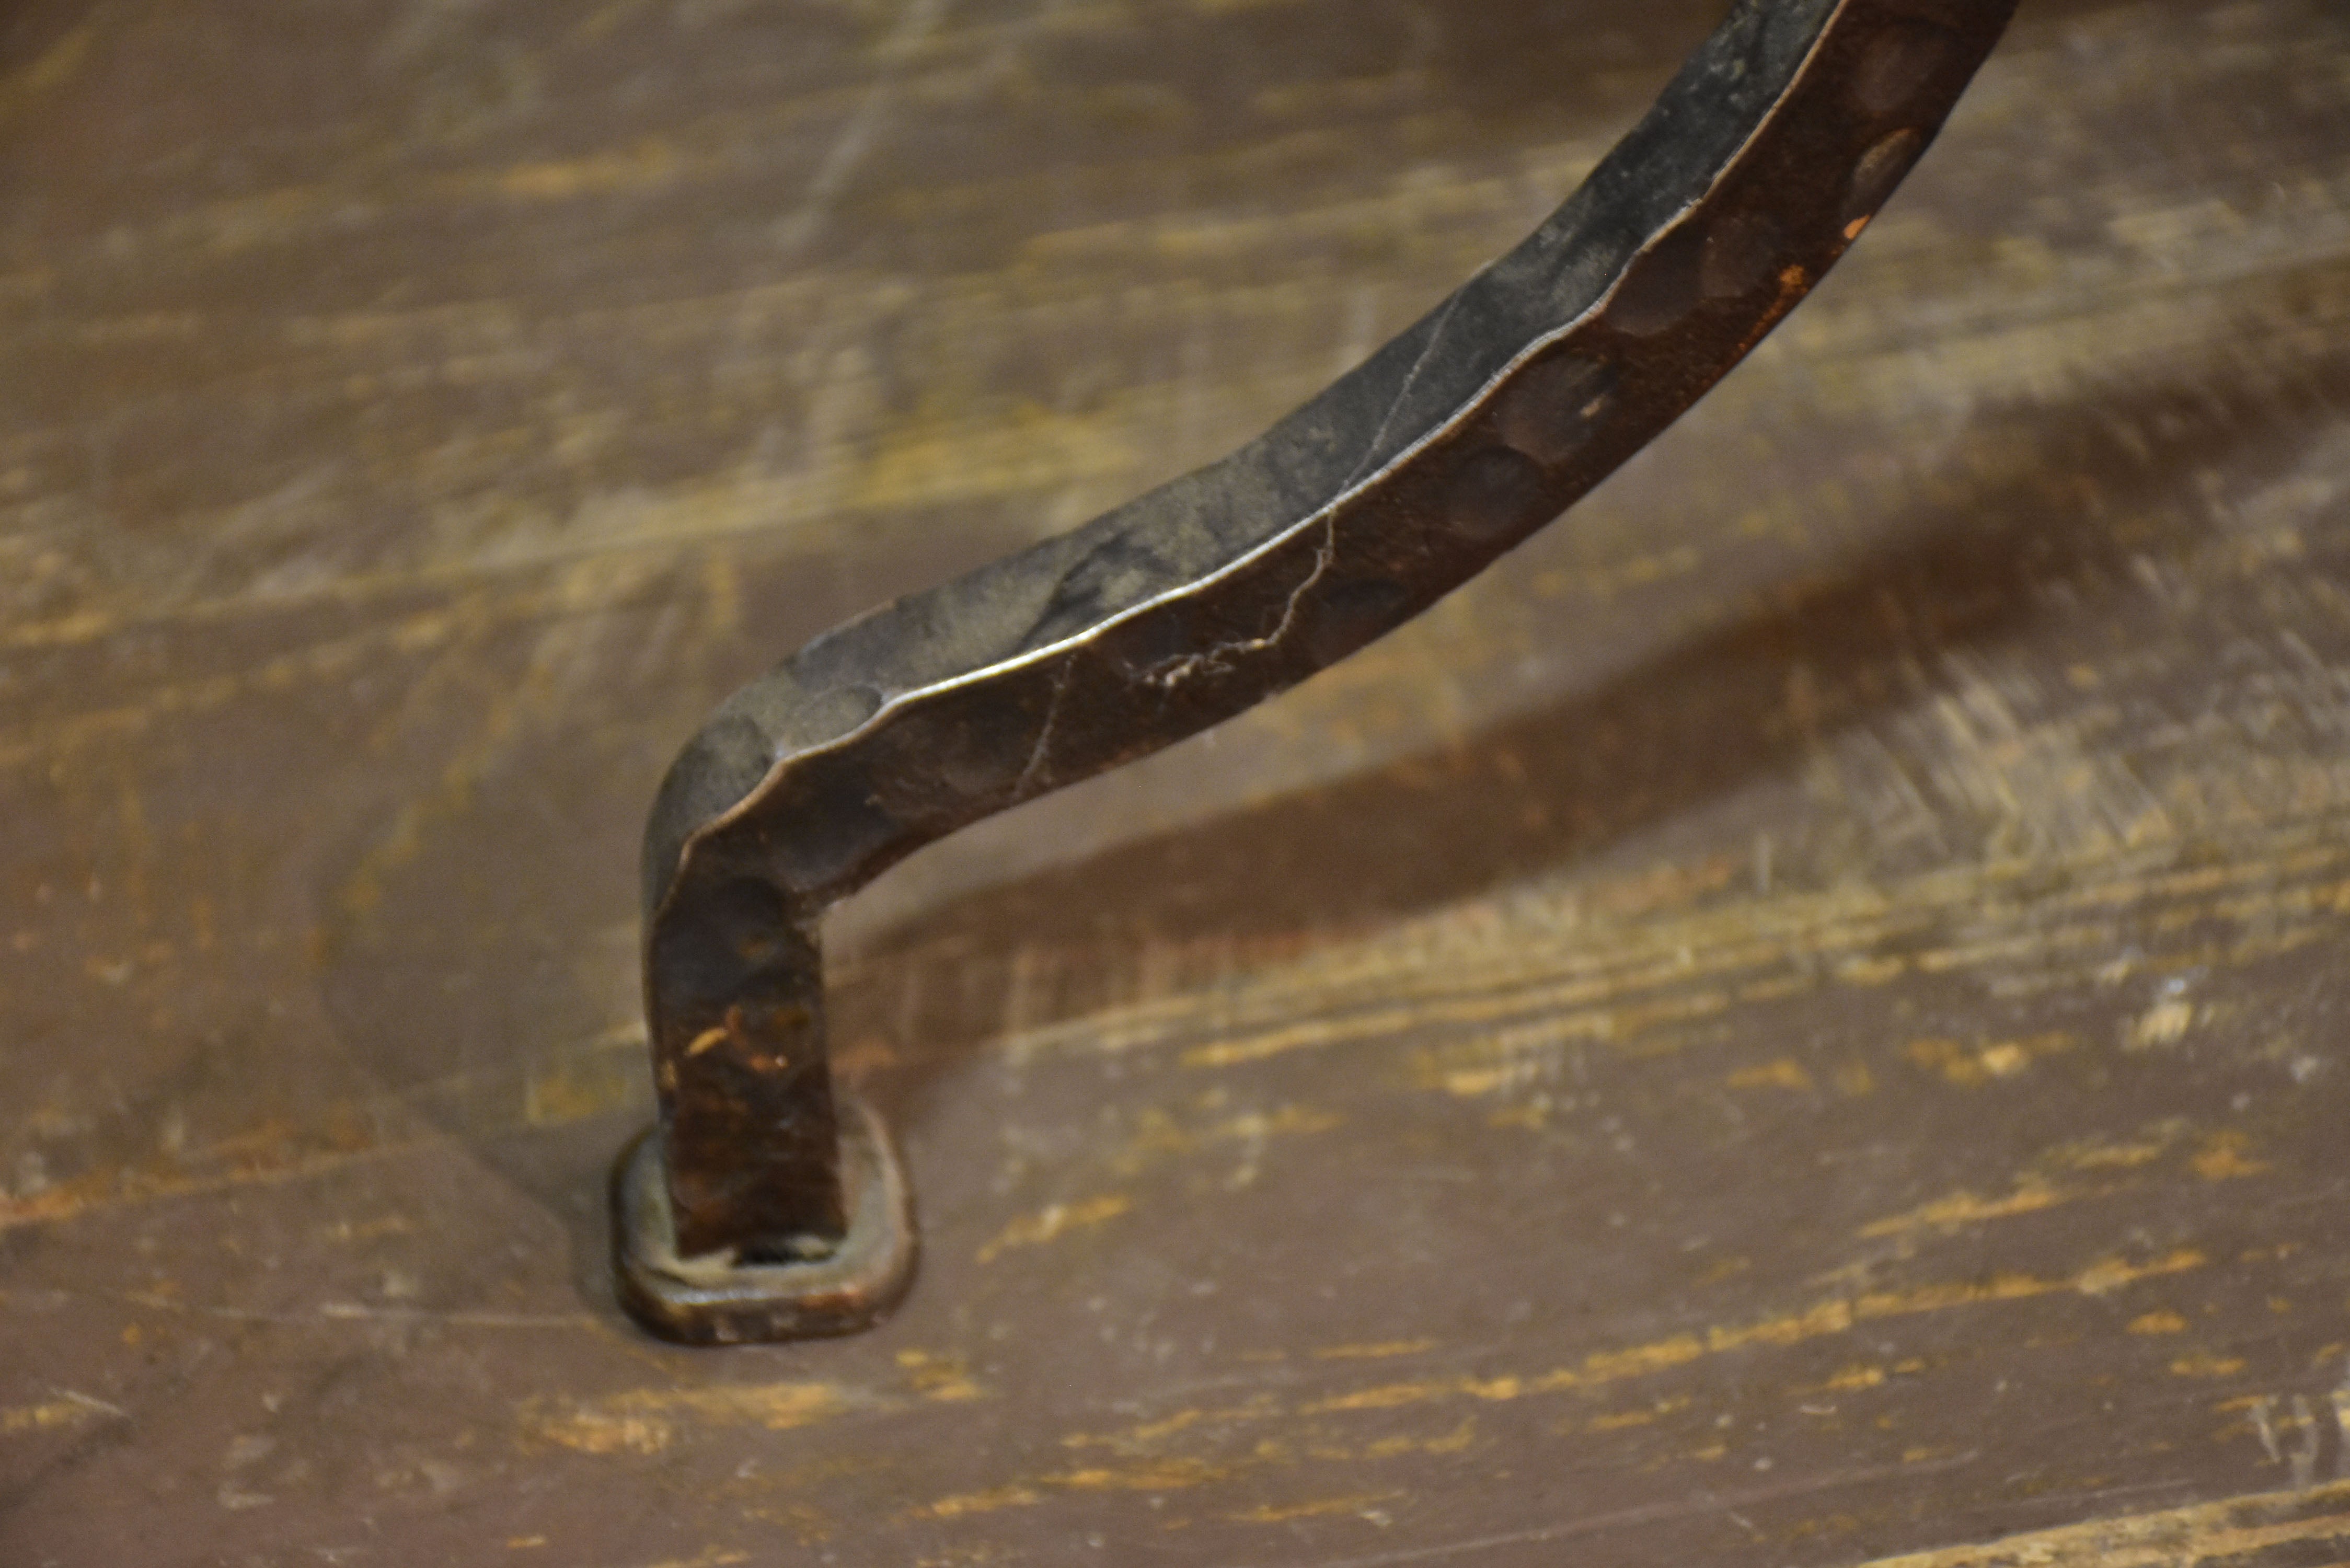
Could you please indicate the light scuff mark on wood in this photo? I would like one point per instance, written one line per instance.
(2254, 1530)
(1054, 1221)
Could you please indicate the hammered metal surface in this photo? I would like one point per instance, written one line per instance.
(1766, 155)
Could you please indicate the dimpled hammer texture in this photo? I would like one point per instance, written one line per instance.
(1764, 158)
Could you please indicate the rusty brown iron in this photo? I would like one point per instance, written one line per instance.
(750, 1213)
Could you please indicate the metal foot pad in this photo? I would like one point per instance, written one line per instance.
(714, 1299)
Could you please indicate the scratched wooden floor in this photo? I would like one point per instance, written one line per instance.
(1798, 1023)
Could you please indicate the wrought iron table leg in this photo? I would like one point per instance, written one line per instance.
(755, 1210)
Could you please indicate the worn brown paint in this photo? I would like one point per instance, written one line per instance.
(1828, 963)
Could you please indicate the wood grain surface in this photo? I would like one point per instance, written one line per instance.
(1795, 1022)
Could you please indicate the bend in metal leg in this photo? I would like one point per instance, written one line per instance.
(716, 1300)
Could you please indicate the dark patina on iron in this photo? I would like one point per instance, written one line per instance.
(747, 1214)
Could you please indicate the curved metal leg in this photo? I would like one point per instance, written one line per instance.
(749, 1214)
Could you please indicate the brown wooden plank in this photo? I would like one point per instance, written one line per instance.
(1795, 1022)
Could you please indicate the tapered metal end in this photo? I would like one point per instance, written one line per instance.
(715, 1300)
